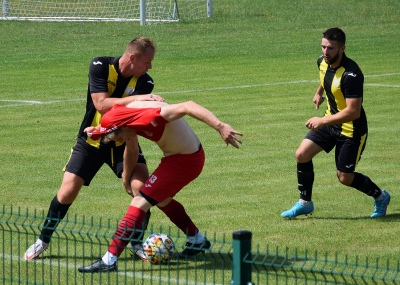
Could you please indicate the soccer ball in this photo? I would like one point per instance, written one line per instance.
(158, 248)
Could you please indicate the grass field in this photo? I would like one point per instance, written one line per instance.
(254, 65)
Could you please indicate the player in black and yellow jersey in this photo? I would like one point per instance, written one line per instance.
(112, 80)
(343, 127)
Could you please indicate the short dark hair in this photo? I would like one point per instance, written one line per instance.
(335, 34)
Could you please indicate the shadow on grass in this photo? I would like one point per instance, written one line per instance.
(203, 261)
(386, 219)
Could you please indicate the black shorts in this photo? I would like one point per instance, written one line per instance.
(86, 160)
(348, 150)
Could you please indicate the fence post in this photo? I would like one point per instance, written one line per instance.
(5, 8)
(209, 8)
(241, 271)
(142, 7)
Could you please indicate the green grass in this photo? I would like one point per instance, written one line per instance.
(254, 65)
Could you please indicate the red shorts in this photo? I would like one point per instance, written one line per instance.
(173, 173)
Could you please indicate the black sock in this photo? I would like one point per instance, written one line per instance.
(56, 213)
(364, 184)
(305, 179)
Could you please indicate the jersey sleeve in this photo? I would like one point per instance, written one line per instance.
(353, 84)
(144, 85)
(98, 74)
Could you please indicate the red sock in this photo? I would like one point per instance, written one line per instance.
(177, 214)
(133, 220)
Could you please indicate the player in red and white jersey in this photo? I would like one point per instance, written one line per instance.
(182, 163)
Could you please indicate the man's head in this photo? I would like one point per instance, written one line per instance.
(333, 45)
(108, 137)
(121, 135)
(140, 46)
(137, 58)
(335, 34)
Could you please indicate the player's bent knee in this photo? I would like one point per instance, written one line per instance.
(301, 157)
(345, 178)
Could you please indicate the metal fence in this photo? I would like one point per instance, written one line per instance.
(79, 241)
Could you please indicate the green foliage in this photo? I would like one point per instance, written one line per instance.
(254, 65)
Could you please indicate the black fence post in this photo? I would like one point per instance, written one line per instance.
(241, 271)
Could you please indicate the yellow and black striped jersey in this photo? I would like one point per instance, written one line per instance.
(104, 76)
(345, 81)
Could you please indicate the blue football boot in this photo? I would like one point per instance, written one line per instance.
(297, 210)
(380, 207)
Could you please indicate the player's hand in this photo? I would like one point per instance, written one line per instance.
(315, 123)
(155, 97)
(230, 136)
(90, 129)
(127, 185)
(318, 100)
(149, 97)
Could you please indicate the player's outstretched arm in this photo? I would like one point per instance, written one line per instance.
(177, 111)
(104, 103)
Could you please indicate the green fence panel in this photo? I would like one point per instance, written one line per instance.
(79, 241)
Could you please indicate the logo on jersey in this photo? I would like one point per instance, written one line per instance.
(151, 82)
(108, 130)
(154, 123)
(336, 82)
(352, 74)
(97, 63)
(129, 91)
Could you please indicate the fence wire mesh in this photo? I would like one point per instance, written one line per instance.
(79, 241)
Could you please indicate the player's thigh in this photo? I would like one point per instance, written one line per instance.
(115, 161)
(172, 174)
(307, 150)
(348, 153)
(314, 142)
(70, 187)
(139, 177)
(85, 161)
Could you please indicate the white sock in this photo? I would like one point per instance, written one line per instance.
(109, 258)
(304, 202)
(44, 244)
(198, 238)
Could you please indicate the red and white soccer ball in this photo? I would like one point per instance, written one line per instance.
(158, 248)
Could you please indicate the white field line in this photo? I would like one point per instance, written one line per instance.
(31, 102)
(23, 101)
(382, 85)
(155, 277)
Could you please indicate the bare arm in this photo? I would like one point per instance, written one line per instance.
(318, 97)
(131, 154)
(104, 103)
(176, 111)
(350, 113)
